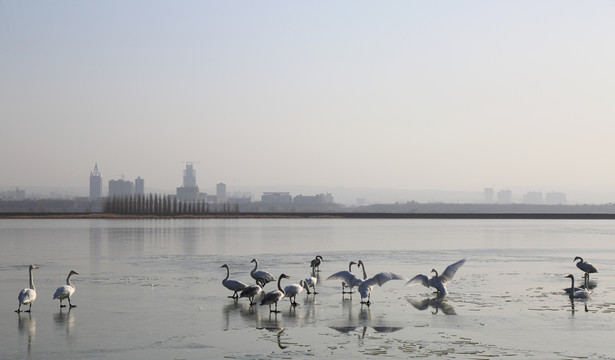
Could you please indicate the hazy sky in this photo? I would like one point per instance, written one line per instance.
(452, 95)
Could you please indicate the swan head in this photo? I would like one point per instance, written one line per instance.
(353, 263)
(73, 272)
(32, 267)
(253, 261)
(224, 266)
(570, 276)
(578, 258)
(284, 276)
(319, 257)
(434, 271)
(360, 263)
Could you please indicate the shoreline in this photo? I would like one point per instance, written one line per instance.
(323, 215)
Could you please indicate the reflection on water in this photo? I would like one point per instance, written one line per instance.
(65, 320)
(437, 302)
(27, 327)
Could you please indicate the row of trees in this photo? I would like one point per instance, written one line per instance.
(163, 205)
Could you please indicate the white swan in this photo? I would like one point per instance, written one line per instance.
(232, 285)
(261, 277)
(28, 295)
(586, 267)
(251, 292)
(291, 291)
(438, 282)
(311, 282)
(274, 296)
(348, 278)
(579, 293)
(366, 286)
(66, 291)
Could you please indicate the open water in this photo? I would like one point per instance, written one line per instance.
(151, 289)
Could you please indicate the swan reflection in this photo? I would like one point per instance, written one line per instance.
(363, 329)
(438, 303)
(66, 320)
(27, 327)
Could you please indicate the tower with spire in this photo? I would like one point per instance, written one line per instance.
(95, 183)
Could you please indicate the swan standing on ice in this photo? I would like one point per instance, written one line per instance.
(578, 293)
(348, 278)
(586, 267)
(274, 296)
(438, 282)
(261, 277)
(232, 285)
(315, 264)
(28, 295)
(366, 286)
(66, 291)
(251, 292)
(311, 282)
(291, 291)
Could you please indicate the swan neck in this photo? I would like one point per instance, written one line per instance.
(68, 279)
(279, 286)
(31, 281)
(255, 266)
(364, 273)
(228, 273)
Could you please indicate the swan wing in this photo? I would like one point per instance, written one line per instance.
(63, 292)
(420, 304)
(382, 278)
(263, 275)
(292, 289)
(26, 296)
(250, 291)
(450, 271)
(419, 279)
(345, 276)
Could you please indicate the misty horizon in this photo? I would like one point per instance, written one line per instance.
(394, 97)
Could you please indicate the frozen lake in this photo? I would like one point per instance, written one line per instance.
(151, 289)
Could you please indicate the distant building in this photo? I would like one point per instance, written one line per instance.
(504, 197)
(533, 197)
(239, 199)
(488, 195)
(189, 192)
(276, 198)
(95, 184)
(319, 199)
(221, 193)
(555, 198)
(121, 187)
(139, 186)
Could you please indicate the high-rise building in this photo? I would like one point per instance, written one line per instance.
(139, 186)
(189, 192)
(488, 194)
(95, 183)
(221, 193)
(121, 187)
(504, 196)
(189, 176)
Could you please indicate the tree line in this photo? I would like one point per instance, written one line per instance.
(163, 205)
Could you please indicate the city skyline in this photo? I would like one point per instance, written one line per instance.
(409, 96)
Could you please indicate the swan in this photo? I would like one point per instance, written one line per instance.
(274, 296)
(66, 291)
(28, 295)
(438, 282)
(315, 264)
(586, 267)
(366, 286)
(251, 292)
(291, 291)
(348, 278)
(232, 285)
(577, 292)
(262, 277)
(311, 282)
